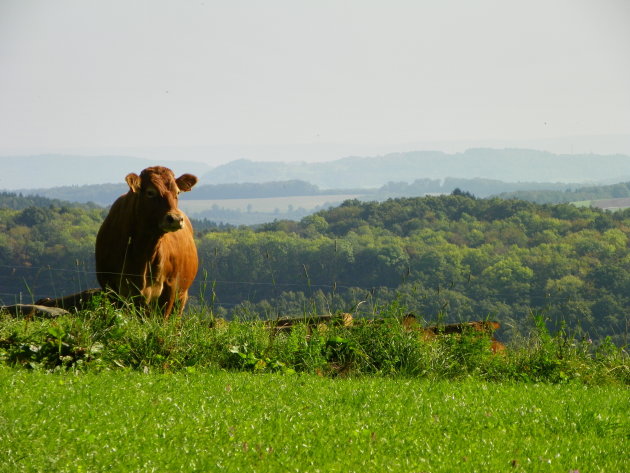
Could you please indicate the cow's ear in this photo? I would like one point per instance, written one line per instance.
(134, 182)
(185, 182)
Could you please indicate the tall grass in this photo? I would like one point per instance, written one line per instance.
(106, 338)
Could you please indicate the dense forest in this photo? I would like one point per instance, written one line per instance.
(451, 257)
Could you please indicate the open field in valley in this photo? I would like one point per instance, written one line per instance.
(606, 204)
(266, 204)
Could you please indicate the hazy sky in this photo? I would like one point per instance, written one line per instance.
(122, 74)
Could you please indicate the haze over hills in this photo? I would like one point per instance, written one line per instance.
(508, 165)
(54, 170)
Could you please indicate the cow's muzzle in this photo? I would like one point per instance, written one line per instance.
(172, 221)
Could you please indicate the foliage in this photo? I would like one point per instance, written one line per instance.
(455, 257)
(93, 381)
(36, 239)
(109, 338)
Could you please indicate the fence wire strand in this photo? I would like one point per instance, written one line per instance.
(84, 279)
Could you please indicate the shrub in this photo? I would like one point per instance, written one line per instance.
(108, 338)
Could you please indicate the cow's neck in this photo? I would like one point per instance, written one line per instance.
(144, 247)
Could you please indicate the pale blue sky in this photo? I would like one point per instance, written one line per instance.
(122, 75)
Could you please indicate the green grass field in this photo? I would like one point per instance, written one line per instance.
(582, 203)
(111, 390)
(219, 421)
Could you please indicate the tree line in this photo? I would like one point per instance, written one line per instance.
(551, 196)
(540, 192)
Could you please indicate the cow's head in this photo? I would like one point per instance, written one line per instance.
(156, 191)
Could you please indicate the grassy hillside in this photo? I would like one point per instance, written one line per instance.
(111, 389)
(105, 338)
(211, 421)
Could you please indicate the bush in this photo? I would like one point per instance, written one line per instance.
(108, 338)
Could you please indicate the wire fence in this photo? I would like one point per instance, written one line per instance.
(27, 284)
(270, 299)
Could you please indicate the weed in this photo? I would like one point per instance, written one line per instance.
(108, 337)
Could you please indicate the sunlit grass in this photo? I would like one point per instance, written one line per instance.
(220, 421)
(113, 390)
(108, 338)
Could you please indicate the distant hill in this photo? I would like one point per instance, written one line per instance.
(511, 165)
(247, 203)
(101, 194)
(51, 170)
(507, 165)
(17, 201)
(477, 186)
(105, 194)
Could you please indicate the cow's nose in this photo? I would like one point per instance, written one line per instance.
(172, 221)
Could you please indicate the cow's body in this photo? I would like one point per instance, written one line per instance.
(484, 328)
(145, 248)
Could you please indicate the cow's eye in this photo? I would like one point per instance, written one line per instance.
(151, 193)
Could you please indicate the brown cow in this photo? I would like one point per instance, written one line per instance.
(145, 247)
(485, 328)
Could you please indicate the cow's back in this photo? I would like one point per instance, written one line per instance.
(112, 245)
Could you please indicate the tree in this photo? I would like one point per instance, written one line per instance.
(510, 279)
